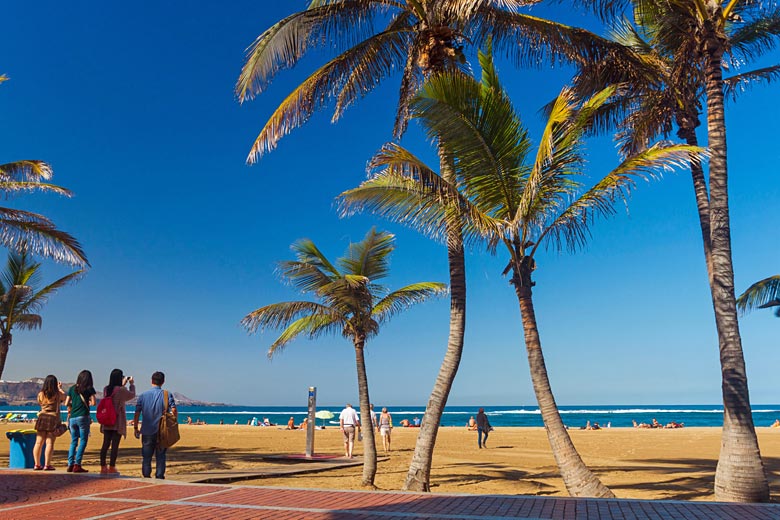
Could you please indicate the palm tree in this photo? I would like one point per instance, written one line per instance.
(376, 39)
(350, 302)
(761, 295)
(38, 234)
(507, 201)
(678, 49)
(21, 299)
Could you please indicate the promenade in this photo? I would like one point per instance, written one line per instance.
(35, 495)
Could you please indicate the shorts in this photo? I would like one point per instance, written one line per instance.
(349, 434)
(384, 431)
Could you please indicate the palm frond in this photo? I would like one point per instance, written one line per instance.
(307, 252)
(736, 85)
(25, 171)
(326, 82)
(280, 315)
(570, 229)
(39, 234)
(11, 187)
(756, 37)
(28, 321)
(313, 325)
(370, 256)
(287, 41)
(762, 294)
(39, 298)
(305, 277)
(401, 299)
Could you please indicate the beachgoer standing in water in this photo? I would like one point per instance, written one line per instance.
(113, 434)
(80, 397)
(348, 422)
(150, 407)
(483, 427)
(50, 398)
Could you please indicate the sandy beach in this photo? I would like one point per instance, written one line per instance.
(645, 464)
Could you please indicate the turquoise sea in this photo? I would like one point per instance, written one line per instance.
(618, 416)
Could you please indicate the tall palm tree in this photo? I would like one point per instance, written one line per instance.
(679, 49)
(374, 40)
(761, 295)
(21, 298)
(38, 234)
(508, 201)
(350, 302)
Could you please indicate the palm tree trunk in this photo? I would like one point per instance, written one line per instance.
(701, 194)
(369, 447)
(578, 479)
(740, 474)
(419, 475)
(5, 345)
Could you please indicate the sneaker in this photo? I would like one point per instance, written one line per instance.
(70, 468)
(113, 471)
(78, 469)
(103, 470)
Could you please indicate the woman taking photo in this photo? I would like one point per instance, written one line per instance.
(79, 398)
(113, 433)
(50, 398)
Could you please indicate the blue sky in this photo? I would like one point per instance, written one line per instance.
(133, 106)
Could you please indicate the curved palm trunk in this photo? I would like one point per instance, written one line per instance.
(5, 345)
(419, 475)
(740, 474)
(369, 448)
(702, 197)
(578, 479)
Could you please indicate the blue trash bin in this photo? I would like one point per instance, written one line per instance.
(20, 455)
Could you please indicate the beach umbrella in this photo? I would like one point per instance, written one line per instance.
(324, 415)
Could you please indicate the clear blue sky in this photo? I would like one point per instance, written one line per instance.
(132, 104)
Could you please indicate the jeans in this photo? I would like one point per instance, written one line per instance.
(149, 448)
(79, 430)
(480, 441)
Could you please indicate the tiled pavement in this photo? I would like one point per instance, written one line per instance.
(28, 495)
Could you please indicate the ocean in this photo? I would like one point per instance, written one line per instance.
(617, 416)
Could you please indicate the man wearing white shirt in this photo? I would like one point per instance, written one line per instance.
(348, 421)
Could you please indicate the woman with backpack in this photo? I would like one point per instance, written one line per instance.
(80, 397)
(50, 398)
(112, 417)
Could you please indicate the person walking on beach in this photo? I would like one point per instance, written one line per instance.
(50, 398)
(114, 432)
(150, 407)
(385, 428)
(348, 422)
(79, 398)
(483, 428)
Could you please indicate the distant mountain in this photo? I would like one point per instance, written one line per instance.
(25, 393)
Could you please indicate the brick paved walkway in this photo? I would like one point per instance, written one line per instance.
(28, 495)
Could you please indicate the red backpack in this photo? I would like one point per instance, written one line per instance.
(106, 413)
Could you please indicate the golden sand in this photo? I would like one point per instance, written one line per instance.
(647, 464)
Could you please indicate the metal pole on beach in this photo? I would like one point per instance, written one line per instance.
(312, 421)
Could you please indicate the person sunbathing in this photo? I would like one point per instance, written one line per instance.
(472, 424)
(641, 425)
(656, 424)
(291, 424)
(776, 424)
(404, 423)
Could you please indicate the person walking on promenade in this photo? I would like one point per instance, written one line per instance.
(50, 398)
(483, 428)
(385, 428)
(150, 407)
(113, 433)
(79, 398)
(348, 422)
